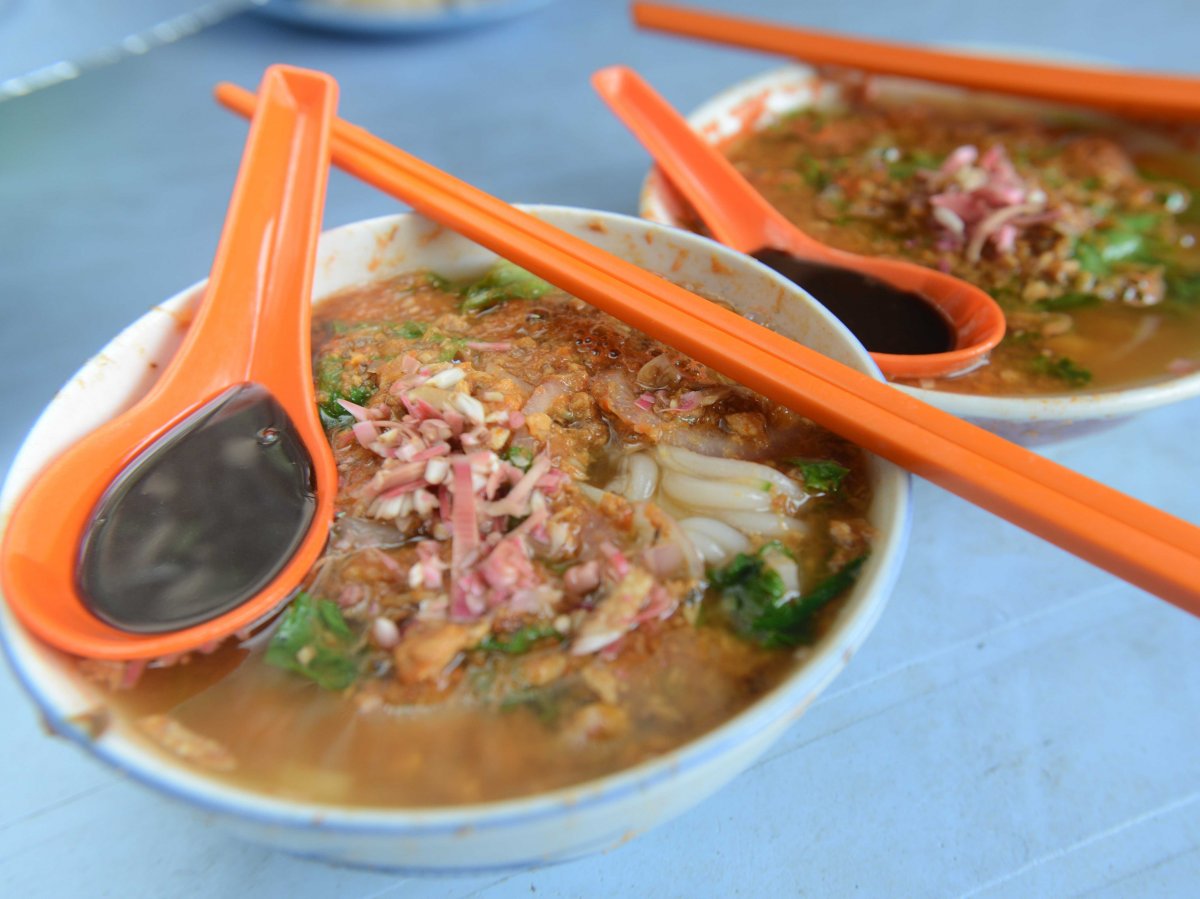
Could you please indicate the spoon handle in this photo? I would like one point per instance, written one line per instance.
(736, 214)
(1141, 94)
(1154, 550)
(250, 326)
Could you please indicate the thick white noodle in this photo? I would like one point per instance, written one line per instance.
(786, 568)
(673, 532)
(709, 549)
(641, 477)
(595, 494)
(685, 461)
(670, 507)
(764, 524)
(698, 493)
(730, 539)
(620, 482)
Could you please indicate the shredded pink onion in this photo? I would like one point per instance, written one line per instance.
(131, 674)
(616, 559)
(516, 503)
(359, 412)
(388, 478)
(464, 518)
(664, 560)
(582, 578)
(661, 605)
(982, 199)
(388, 562)
(1183, 366)
(991, 225)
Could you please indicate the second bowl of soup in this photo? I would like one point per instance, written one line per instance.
(1084, 228)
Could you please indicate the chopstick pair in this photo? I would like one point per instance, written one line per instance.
(1139, 94)
(1132, 540)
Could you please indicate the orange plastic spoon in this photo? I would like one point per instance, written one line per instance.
(1148, 547)
(250, 339)
(1139, 94)
(740, 217)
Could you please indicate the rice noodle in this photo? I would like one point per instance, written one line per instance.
(687, 462)
(641, 479)
(730, 540)
(764, 524)
(784, 566)
(698, 493)
(709, 549)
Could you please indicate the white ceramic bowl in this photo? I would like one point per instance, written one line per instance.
(395, 18)
(764, 99)
(513, 834)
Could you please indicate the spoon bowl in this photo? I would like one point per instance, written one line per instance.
(741, 218)
(110, 553)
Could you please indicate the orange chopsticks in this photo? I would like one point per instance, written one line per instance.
(1143, 545)
(1141, 94)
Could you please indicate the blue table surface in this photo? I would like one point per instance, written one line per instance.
(1019, 723)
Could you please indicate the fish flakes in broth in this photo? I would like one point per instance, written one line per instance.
(560, 548)
(1084, 229)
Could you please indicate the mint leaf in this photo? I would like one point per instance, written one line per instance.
(314, 640)
(820, 475)
(503, 281)
(1062, 368)
(519, 641)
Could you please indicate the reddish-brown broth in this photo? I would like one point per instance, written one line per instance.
(489, 725)
(868, 179)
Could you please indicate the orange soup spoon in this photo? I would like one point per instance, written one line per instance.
(917, 322)
(197, 512)
(1156, 551)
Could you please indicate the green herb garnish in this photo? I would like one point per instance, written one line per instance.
(918, 160)
(1184, 287)
(1127, 240)
(436, 281)
(759, 605)
(545, 702)
(503, 281)
(452, 349)
(329, 374)
(814, 174)
(1090, 259)
(748, 587)
(519, 456)
(1068, 301)
(410, 330)
(519, 641)
(314, 640)
(820, 475)
(1062, 368)
(790, 624)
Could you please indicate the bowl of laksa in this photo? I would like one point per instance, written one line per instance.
(1085, 228)
(575, 583)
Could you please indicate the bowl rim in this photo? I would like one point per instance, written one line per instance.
(789, 79)
(155, 769)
